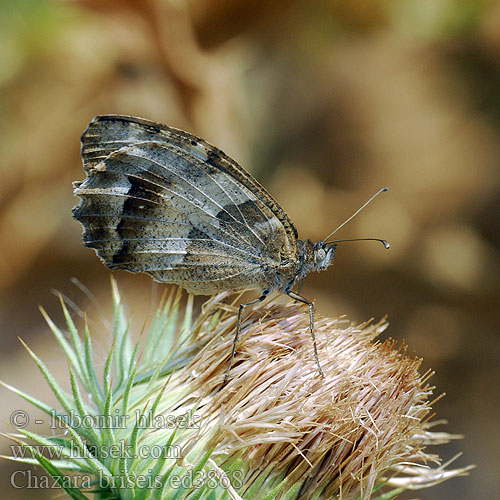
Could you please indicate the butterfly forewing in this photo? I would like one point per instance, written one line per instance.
(108, 133)
(167, 203)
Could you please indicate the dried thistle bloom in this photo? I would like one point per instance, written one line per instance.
(358, 428)
(276, 430)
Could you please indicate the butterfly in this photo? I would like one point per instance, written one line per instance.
(164, 202)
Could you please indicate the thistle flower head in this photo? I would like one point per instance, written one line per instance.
(341, 435)
(275, 430)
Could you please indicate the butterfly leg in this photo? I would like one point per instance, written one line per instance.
(265, 293)
(299, 298)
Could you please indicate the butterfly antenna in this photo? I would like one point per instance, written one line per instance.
(357, 211)
(384, 242)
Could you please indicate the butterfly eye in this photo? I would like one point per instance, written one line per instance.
(321, 254)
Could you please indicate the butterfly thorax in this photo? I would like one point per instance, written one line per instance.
(313, 257)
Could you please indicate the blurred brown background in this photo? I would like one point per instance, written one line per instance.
(324, 102)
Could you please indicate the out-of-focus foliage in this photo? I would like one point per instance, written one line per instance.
(324, 102)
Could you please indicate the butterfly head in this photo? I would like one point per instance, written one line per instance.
(322, 255)
(315, 256)
(318, 256)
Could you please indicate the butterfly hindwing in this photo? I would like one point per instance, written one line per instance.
(162, 201)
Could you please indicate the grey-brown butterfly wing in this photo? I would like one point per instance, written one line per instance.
(162, 201)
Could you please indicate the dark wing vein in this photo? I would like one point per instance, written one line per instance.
(206, 195)
(265, 217)
(217, 224)
(129, 129)
(156, 240)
